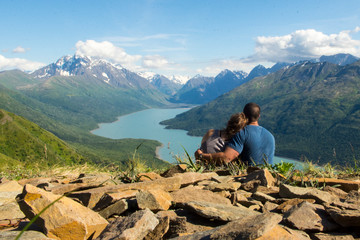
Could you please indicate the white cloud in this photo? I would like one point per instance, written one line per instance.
(155, 61)
(108, 51)
(19, 63)
(304, 44)
(19, 49)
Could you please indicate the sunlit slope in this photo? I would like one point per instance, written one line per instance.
(25, 141)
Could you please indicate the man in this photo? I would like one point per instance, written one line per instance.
(253, 143)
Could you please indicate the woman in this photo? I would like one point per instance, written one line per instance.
(214, 140)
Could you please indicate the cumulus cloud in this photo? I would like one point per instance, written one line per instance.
(106, 50)
(19, 49)
(155, 61)
(304, 44)
(19, 63)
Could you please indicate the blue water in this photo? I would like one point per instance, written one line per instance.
(145, 125)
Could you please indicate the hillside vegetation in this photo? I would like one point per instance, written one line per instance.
(313, 109)
(60, 106)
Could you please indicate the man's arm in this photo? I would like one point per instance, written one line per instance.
(221, 157)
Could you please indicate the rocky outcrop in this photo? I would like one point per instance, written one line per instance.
(183, 205)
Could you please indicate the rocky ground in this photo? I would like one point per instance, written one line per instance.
(179, 205)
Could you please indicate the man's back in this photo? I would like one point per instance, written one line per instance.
(254, 144)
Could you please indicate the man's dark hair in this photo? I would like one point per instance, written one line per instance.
(252, 112)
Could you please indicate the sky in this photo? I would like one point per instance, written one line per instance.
(177, 37)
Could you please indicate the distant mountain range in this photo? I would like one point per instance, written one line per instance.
(71, 96)
(313, 109)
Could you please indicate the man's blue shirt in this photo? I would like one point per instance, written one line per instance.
(254, 144)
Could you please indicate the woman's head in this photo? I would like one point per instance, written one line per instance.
(236, 122)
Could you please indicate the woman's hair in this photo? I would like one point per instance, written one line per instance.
(236, 122)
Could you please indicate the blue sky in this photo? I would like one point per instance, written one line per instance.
(180, 37)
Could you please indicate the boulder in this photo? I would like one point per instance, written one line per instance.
(160, 230)
(345, 217)
(287, 191)
(251, 227)
(154, 199)
(64, 219)
(133, 227)
(9, 209)
(309, 217)
(220, 211)
(191, 193)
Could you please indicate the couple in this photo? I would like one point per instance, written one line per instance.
(242, 137)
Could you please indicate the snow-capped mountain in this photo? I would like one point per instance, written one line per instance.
(102, 70)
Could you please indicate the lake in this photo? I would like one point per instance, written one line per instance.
(145, 125)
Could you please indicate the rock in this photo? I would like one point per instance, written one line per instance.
(263, 175)
(134, 227)
(194, 177)
(180, 168)
(287, 205)
(10, 210)
(117, 208)
(35, 181)
(94, 180)
(342, 184)
(220, 211)
(250, 185)
(337, 192)
(251, 227)
(154, 199)
(10, 186)
(110, 198)
(353, 197)
(262, 197)
(287, 191)
(225, 186)
(160, 230)
(66, 188)
(89, 198)
(345, 217)
(148, 176)
(309, 217)
(177, 224)
(191, 193)
(28, 235)
(332, 236)
(269, 206)
(65, 219)
(283, 233)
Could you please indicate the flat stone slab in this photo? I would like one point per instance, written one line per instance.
(287, 191)
(220, 211)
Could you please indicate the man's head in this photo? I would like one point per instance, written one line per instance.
(252, 112)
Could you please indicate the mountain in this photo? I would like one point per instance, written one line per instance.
(76, 65)
(313, 109)
(200, 90)
(341, 59)
(165, 85)
(194, 91)
(25, 142)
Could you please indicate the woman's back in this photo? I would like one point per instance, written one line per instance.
(212, 142)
